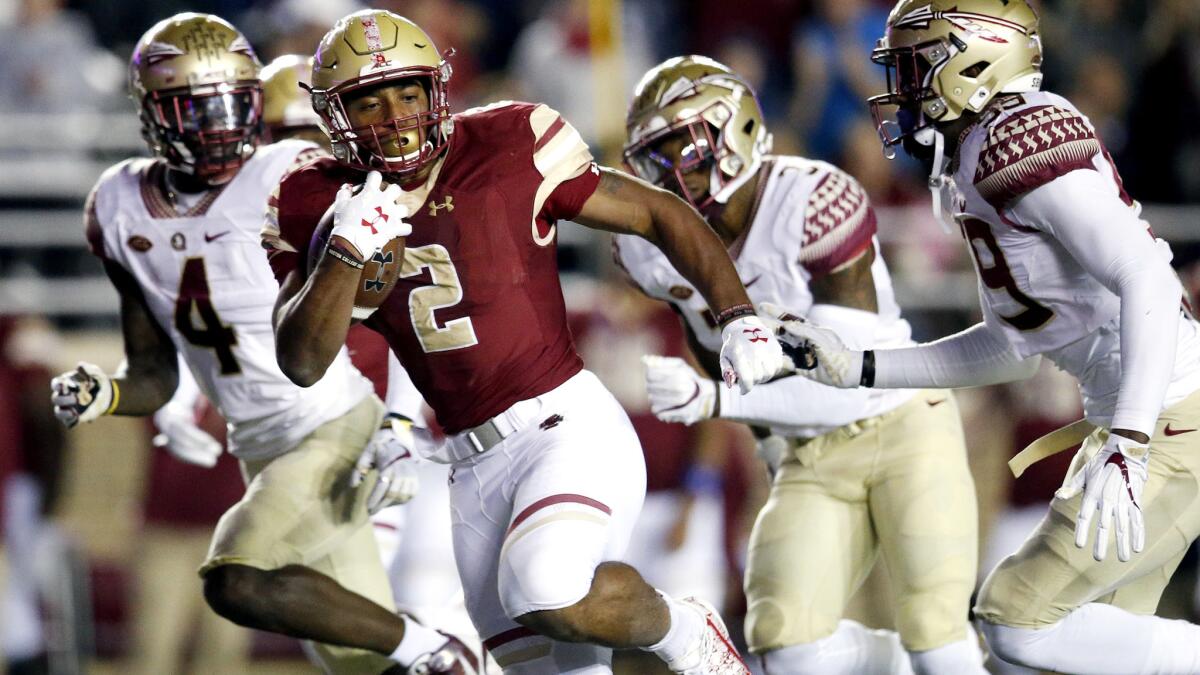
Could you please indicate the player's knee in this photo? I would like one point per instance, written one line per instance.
(234, 591)
(1019, 646)
(612, 586)
(772, 624)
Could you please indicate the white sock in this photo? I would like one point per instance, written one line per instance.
(957, 658)
(852, 649)
(418, 640)
(687, 626)
(1102, 640)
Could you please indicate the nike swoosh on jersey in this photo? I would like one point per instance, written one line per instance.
(934, 404)
(1175, 432)
(209, 238)
(753, 281)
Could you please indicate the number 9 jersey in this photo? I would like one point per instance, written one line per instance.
(206, 280)
(1041, 207)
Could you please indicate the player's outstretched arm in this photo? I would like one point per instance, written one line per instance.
(143, 385)
(624, 204)
(974, 357)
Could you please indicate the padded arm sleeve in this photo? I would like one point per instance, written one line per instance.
(975, 357)
(1084, 212)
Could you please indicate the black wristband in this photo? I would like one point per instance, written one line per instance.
(730, 313)
(344, 256)
(868, 369)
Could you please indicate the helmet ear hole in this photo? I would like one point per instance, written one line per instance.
(974, 69)
(748, 127)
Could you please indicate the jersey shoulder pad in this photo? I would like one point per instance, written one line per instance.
(839, 222)
(104, 196)
(300, 199)
(1030, 147)
(646, 266)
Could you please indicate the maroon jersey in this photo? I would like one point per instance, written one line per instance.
(477, 317)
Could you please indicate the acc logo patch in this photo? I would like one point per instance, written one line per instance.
(680, 292)
(178, 241)
(139, 243)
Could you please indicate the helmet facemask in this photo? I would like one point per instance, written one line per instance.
(204, 130)
(364, 147)
(911, 72)
(702, 152)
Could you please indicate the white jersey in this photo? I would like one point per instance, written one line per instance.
(206, 280)
(1030, 286)
(809, 218)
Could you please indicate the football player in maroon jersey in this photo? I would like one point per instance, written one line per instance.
(548, 475)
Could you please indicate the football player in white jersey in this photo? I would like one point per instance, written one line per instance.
(1067, 269)
(855, 474)
(179, 238)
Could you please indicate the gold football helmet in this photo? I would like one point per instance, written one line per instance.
(366, 49)
(195, 80)
(947, 57)
(287, 107)
(697, 96)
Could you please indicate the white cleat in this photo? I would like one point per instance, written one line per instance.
(713, 653)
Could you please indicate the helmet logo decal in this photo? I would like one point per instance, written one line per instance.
(156, 52)
(379, 60)
(205, 43)
(371, 33)
(971, 22)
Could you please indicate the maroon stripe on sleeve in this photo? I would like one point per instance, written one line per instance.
(549, 135)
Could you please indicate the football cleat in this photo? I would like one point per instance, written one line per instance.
(713, 653)
(452, 658)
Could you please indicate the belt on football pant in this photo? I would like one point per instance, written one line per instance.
(479, 439)
(1051, 444)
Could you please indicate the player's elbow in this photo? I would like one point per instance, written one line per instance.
(297, 366)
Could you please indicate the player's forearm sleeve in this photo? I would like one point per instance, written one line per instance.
(402, 395)
(975, 357)
(1083, 211)
(793, 402)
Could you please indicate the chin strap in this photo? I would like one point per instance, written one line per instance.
(940, 185)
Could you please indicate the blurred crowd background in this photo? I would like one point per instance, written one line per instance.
(114, 526)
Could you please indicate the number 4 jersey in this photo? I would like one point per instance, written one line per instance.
(206, 280)
(1042, 207)
(477, 317)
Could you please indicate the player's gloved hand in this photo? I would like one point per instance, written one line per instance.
(370, 218)
(82, 395)
(677, 392)
(817, 353)
(750, 353)
(180, 436)
(1112, 482)
(391, 453)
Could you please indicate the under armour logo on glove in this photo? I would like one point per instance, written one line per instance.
(379, 215)
(369, 235)
(756, 335)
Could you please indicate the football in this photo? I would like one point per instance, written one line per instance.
(378, 277)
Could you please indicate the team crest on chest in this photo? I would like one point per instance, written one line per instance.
(435, 208)
(139, 243)
(178, 241)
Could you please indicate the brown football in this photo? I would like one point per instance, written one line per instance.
(378, 277)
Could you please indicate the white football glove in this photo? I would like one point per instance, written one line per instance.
(817, 353)
(1112, 482)
(81, 395)
(391, 453)
(180, 436)
(750, 354)
(370, 218)
(677, 392)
